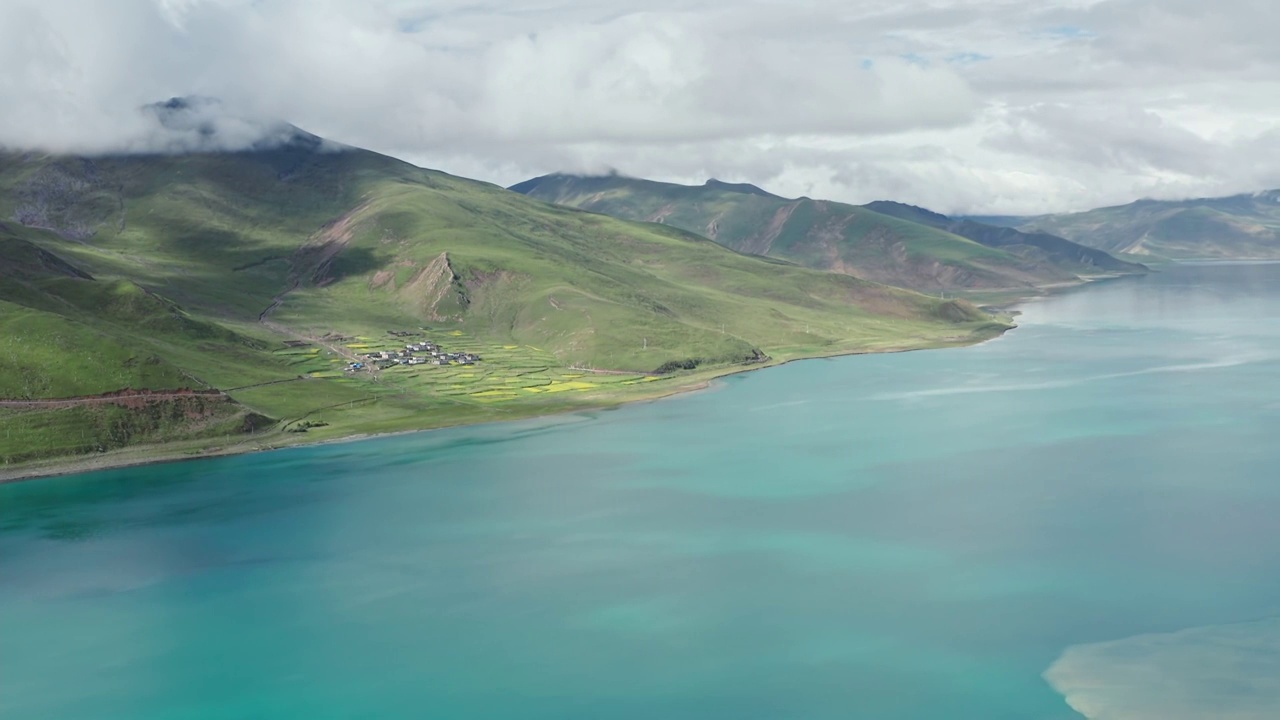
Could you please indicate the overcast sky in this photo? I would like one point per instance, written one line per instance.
(981, 106)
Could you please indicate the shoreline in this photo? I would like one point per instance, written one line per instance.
(127, 457)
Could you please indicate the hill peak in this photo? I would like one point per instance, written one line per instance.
(747, 188)
(906, 211)
(528, 186)
(195, 123)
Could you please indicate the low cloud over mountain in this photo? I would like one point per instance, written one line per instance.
(967, 106)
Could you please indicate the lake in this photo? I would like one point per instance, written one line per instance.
(1084, 513)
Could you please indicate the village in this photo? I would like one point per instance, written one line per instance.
(447, 363)
(422, 352)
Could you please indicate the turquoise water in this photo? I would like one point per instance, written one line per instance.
(902, 537)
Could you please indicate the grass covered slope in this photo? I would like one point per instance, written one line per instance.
(1242, 227)
(252, 278)
(858, 241)
(594, 291)
(88, 365)
(355, 242)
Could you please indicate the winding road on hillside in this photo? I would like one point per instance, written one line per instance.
(327, 244)
(264, 318)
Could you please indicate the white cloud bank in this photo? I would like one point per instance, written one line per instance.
(988, 106)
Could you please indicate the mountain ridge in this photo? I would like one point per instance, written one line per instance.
(1242, 226)
(907, 248)
(1054, 247)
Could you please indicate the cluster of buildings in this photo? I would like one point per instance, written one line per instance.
(419, 353)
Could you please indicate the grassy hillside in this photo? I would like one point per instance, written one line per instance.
(858, 241)
(262, 274)
(1238, 227)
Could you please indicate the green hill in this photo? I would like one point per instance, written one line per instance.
(236, 287)
(1238, 227)
(861, 241)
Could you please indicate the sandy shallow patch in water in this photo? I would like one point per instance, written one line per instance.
(1224, 672)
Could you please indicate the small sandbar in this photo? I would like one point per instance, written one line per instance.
(1223, 672)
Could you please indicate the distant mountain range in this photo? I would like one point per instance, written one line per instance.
(212, 298)
(884, 242)
(1230, 228)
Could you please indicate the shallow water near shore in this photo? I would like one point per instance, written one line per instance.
(1075, 515)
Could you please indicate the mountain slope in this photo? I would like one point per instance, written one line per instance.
(65, 334)
(1238, 227)
(260, 274)
(854, 240)
(1037, 246)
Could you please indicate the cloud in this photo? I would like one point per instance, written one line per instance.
(201, 124)
(960, 105)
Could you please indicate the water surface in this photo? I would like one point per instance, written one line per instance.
(899, 537)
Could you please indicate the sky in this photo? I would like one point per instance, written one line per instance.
(962, 106)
